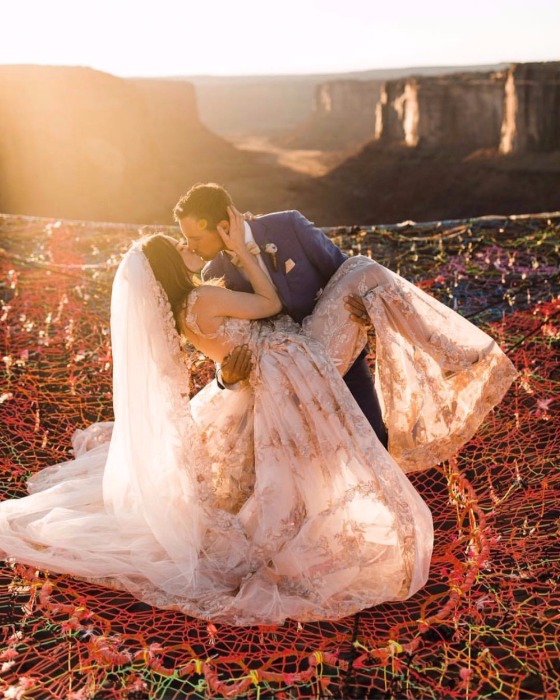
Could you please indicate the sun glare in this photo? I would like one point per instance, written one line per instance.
(181, 37)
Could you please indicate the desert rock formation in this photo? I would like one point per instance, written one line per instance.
(532, 108)
(514, 110)
(441, 112)
(343, 116)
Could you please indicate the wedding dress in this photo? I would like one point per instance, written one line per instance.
(275, 501)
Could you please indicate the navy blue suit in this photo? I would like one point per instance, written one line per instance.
(313, 259)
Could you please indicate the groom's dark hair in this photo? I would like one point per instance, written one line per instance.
(204, 201)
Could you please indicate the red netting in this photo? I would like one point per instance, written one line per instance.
(486, 625)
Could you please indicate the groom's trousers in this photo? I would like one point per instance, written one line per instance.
(360, 382)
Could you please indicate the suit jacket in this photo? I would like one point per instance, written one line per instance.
(305, 261)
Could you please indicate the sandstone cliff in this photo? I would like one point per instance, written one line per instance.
(275, 106)
(458, 111)
(516, 110)
(532, 108)
(343, 116)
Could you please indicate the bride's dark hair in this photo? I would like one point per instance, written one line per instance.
(169, 270)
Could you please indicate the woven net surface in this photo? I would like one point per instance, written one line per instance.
(486, 624)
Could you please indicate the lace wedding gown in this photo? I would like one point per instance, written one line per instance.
(275, 501)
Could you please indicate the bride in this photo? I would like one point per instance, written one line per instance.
(275, 501)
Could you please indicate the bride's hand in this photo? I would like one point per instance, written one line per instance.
(235, 238)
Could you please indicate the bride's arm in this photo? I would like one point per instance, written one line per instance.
(218, 301)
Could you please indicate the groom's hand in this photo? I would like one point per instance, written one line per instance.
(237, 365)
(354, 304)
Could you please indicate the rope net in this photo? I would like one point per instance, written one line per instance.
(486, 624)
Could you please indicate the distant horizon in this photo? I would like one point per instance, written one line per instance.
(446, 67)
(349, 72)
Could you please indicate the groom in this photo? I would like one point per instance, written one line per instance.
(298, 257)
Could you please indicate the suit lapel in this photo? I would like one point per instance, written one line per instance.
(262, 237)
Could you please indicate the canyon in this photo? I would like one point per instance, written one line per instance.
(376, 147)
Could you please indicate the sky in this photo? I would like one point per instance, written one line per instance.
(148, 38)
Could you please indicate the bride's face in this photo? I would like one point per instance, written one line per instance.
(193, 262)
(202, 241)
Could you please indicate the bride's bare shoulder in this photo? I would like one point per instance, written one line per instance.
(208, 294)
(208, 300)
(198, 314)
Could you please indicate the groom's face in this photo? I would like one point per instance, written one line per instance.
(206, 243)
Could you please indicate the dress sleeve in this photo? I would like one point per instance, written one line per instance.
(437, 374)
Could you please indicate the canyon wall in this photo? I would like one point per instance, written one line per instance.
(343, 117)
(532, 108)
(463, 110)
(516, 110)
(274, 106)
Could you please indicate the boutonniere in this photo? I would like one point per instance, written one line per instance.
(271, 249)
